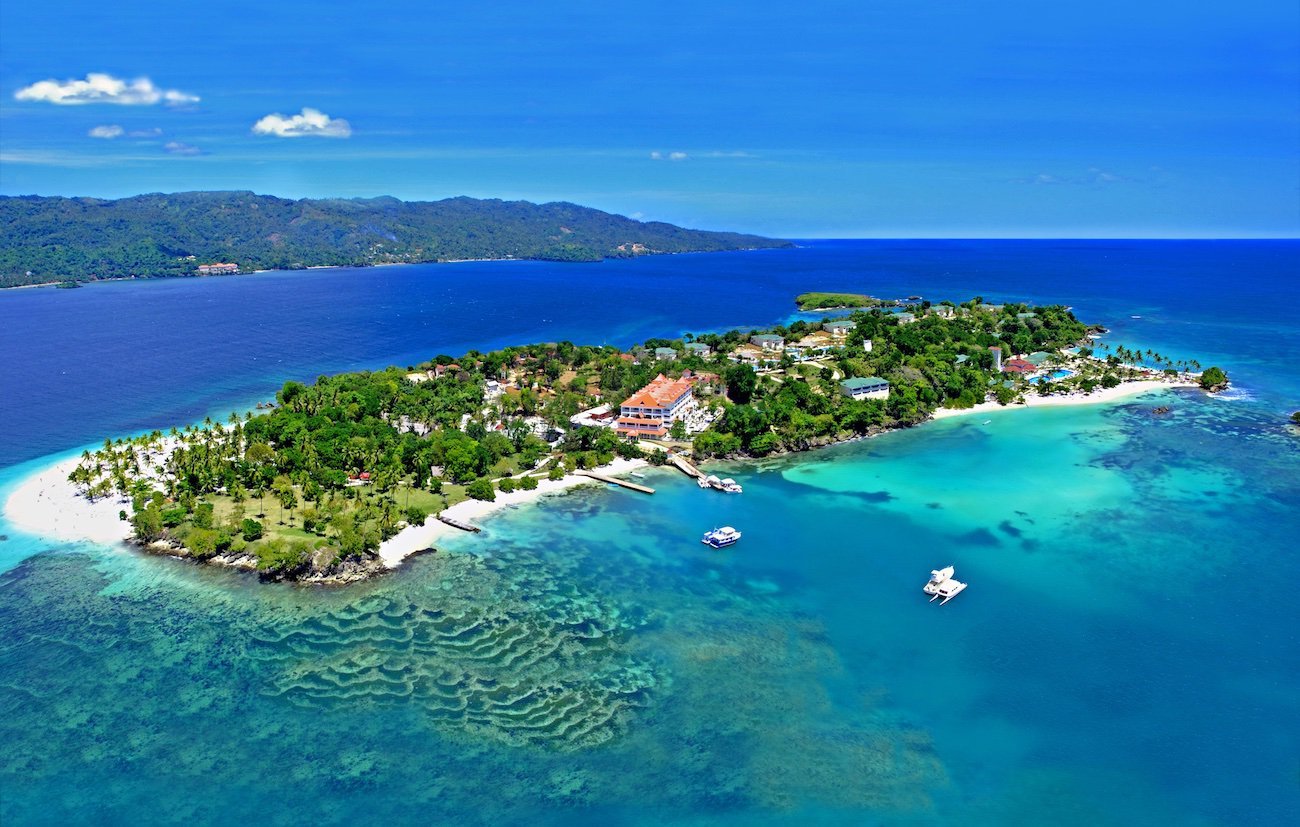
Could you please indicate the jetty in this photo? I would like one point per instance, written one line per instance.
(684, 465)
(644, 489)
(454, 523)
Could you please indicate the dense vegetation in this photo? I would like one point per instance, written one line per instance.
(348, 460)
(82, 239)
(827, 301)
(800, 404)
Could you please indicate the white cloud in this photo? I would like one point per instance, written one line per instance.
(152, 132)
(656, 156)
(178, 148)
(310, 122)
(670, 156)
(102, 88)
(108, 132)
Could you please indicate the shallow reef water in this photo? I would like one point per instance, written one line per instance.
(1122, 655)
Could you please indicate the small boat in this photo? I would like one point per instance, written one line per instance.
(988, 422)
(721, 537)
(637, 475)
(943, 585)
(702, 482)
(731, 486)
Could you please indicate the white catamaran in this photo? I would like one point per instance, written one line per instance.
(943, 585)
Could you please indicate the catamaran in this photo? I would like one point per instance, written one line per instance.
(943, 585)
(721, 537)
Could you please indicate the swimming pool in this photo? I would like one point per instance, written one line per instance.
(1056, 375)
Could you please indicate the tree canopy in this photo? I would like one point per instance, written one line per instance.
(82, 239)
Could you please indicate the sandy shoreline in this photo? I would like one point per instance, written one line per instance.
(1098, 396)
(418, 538)
(47, 505)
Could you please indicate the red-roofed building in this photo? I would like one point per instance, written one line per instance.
(650, 411)
(1020, 366)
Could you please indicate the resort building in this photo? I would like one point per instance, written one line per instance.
(665, 354)
(905, 318)
(651, 410)
(943, 311)
(997, 359)
(867, 345)
(218, 269)
(868, 387)
(1024, 317)
(697, 349)
(839, 328)
(768, 341)
(1018, 366)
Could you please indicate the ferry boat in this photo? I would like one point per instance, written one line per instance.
(730, 486)
(702, 482)
(943, 585)
(721, 537)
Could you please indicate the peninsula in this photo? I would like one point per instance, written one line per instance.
(52, 239)
(335, 481)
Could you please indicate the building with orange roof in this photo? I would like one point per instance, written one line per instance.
(651, 410)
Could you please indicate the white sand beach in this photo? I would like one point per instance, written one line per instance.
(47, 505)
(1099, 395)
(418, 538)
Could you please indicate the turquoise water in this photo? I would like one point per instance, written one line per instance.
(1053, 376)
(1122, 655)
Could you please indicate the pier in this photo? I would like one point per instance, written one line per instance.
(615, 481)
(454, 523)
(684, 465)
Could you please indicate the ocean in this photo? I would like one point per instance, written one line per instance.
(1125, 653)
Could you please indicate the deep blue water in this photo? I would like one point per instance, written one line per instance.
(1126, 652)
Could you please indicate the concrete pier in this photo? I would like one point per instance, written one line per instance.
(454, 523)
(615, 481)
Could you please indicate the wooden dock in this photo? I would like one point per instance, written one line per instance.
(615, 481)
(454, 523)
(685, 466)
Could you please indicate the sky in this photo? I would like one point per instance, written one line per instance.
(889, 118)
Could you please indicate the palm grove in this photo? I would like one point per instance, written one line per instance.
(341, 464)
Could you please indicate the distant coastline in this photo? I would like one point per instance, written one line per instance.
(194, 234)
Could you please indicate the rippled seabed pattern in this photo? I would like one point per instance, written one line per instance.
(588, 661)
(467, 685)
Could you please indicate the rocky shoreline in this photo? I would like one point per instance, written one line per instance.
(318, 571)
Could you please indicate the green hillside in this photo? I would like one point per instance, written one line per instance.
(159, 235)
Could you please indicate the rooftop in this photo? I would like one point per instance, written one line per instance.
(864, 383)
(660, 393)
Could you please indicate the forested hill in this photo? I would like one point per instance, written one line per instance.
(83, 239)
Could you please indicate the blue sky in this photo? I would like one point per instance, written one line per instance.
(884, 119)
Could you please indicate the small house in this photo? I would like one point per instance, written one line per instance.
(768, 341)
(697, 349)
(665, 354)
(839, 328)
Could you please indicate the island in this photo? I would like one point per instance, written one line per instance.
(839, 301)
(339, 479)
(53, 239)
